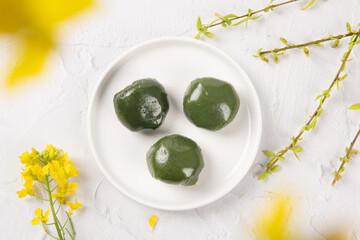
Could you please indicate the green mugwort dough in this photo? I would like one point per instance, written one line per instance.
(175, 159)
(142, 105)
(211, 103)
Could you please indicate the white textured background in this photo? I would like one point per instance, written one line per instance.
(54, 111)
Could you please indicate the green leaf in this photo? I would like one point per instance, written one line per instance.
(264, 59)
(348, 27)
(224, 25)
(218, 15)
(343, 77)
(319, 112)
(198, 35)
(230, 16)
(342, 170)
(274, 168)
(300, 149)
(209, 34)
(309, 5)
(263, 175)
(228, 21)
(255, 17)
(296, 155)
(319, 45)
(306, 51)
(284, 41)
(198, 24)
(204, 29)
(355, 106)
(302, 129)
(276, 58)
(343, 68)
(281, 158)
(313, 123)
(319, 96)
(240, 22)
(336, 43)
(269, 153)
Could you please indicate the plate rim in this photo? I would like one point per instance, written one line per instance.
(110, 68)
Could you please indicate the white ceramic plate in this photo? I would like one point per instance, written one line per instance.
(121, 154)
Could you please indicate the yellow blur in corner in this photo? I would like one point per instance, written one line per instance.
(34, 22)
(274, 221)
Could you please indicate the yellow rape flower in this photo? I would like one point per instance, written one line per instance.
(70, 170)
(52, 169)
(63, 191)
(40, 217)
(38, 172)
(73, 206)
(22, 193)
(35, 23)
(25, 158)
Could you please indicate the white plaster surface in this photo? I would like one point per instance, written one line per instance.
(54, 111)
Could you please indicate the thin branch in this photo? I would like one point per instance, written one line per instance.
(346, 159)
(228, 19)
(255, 12)
(271, 166)
(301, 45)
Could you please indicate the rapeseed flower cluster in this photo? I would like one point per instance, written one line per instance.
(51, 170)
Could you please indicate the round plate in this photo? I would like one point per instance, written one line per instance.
(121, 154)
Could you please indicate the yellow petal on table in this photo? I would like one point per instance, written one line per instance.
(152, 221)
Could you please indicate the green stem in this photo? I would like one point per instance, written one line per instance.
(276, 50)
(55, 187)
(56, 221)
(46, 231)
(72, 237)
(71, 224)
(41, 198)
(58, 209)
(67, 220)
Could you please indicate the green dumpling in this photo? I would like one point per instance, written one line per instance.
(175, 159)
(211, 103)
(142, 105)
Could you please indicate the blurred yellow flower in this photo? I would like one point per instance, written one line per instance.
(35, 23)
(273, 223)
(73, 206)
(40, 217)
